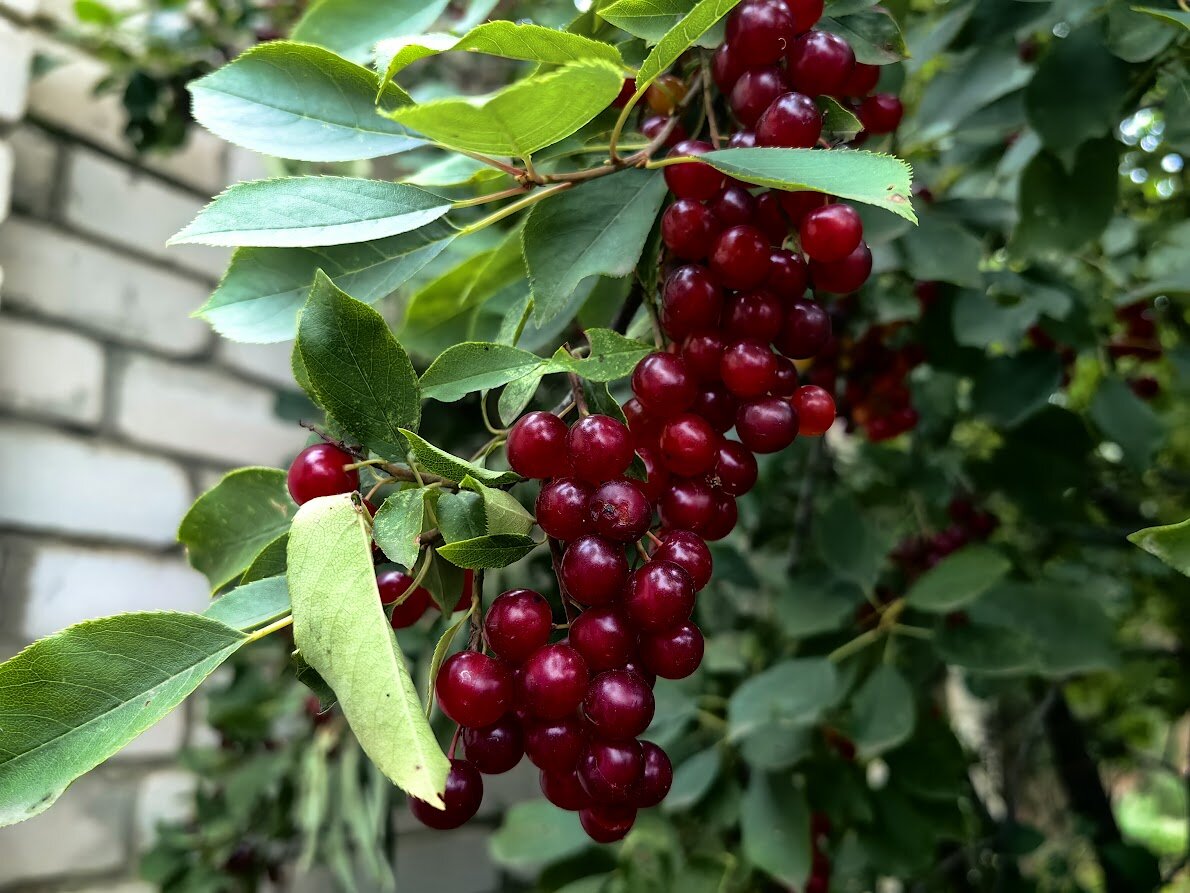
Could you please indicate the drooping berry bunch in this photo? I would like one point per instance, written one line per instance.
(969, 524)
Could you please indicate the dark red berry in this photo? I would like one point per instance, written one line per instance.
(663, 385)
(673, 653)
(610, 771)
(754, 316)
(393, 584)
(806, 330)
(742, 139)
(687, 505)
(748, 369)
(791, 121)
(600, 448)
(766, 425)
(619, 705)
(562, 508)
(553, 681)
(843, 276)
(635, 666)
(654, 124)
(702, 352)
(473, 689)
(537, 446)
(786, 380)
(554, 745)
(806, 13)
(717, 406)
(607, 824)
(689, 229)
(318, 471)
(464, 793)
(657, 476)
(862, 80)
(496, 748)
(594, 570)
(815, 410)
(696, 180)
(603, 637)
(740, 258)
(733, 206)
(830, 233)
(755, 91)
(735, 468)
(880, 113)
(770, 219)
(689, 552)
(564, 790)
(627, 91)
(620, 511)
(660, 595)
(688, 445)
(726, 68)
(658, 776)
(723, 519)
(797, 205)
(691, 302)
(820, 64)
(518, 622)
(760, 31)
(641, 422)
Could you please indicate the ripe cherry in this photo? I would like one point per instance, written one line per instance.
(696, 180)
(815, 410)
(733, 206)
(760, 31)
(620, 511)
(673, 653)
(554, 745)
(689, 229)
(553, 681)
(464, 793)
(562, 508)
(740, 258)
(657, 476)
(755, 91)
(318, 471)
(880, 113)
(635, 666)
(393, 584)
(610, 771)
(653, 125)
(594, 570)
(659, 595)
(770, 219)
(564, 790)
(657, 778)
(786, 380)
(691, 302)
(791, 121)
(618, 705)
(473, 689)
(843, 276)
(830, 233)
(537, 446)
(496, 748)
(806, 330)
(687, 504)
(689, 552)
(862, 80)
(797, 205)
(767, 425)
(748, 368)
(688, 445)
(726, 68)
(627, 91)
(702, 352)
(663, 385)
(735, 468)
(518, 622)
(607, 824)
(753, 315)
(806, 13)
(717, 406)
(742, 139)
(820, 64)
(723, 519)
(603, 637)
(600, 448)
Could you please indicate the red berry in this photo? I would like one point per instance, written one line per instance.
(688, 445)
(726, 68)
(496, 748)
(607, 824)
(742, 139)
(627, 91)
(717, 406)
(673, 653)
(658, 776)
(807, 329)
(755, 91)
(537, 446)
(766, 425)
(518, 622)
(318, 471)
(603, 637)
(733, 206)
(689, 552)
(593, 570)
(554, 745)
(791, 121)
(600, 448)
(564, 790)
(689, 229)
(806, 13)
(798, 204)
(740, 258)
(635, 666)
(786, 381)
(393, 584)
(880, 113)
(654, 124)
(820, 64)
(640, 422)
(691, 302)
(663, 385)
(696, 180)
(830, 233)
(464, 793)
(770, 219)
(657, 477)
(843, 276)
(620, 511)
(815, 410)
(473, 689)
(748, 369)
(735, 468)
(660, 595)
(760, 31)
(723, 519)
(562, 508)
(619, 705)
(610, 771)
(687, 505)
(862, 80)
(753, 315)
(553, 681)
(702, 353)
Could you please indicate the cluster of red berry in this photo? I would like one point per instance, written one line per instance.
(969, 524)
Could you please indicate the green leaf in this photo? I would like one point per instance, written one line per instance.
(397, 525)
(598, 228)
(536, 833)
(942, 250)
(453, 468)
(651, 19)
(1011, 389)
(883, 712)
(475, 366)
(1129, 421)
(1136, 37)
(522, 118)
(1061, 212)
(808, 606)
(612, 356)
(492, 551)
(993, 650)
(294, 212)
(1170, 543)
(70, 701)
(269, 561)
(352, 27)
(232, 522)
(958, 579)
(1172, 16)
(357, 370)
(92, 12)
(874, 35)
(251, 605)
(775, 828)
(973, 82)
(292, 100)
(441, 651)
(850, 544)
(680, 38)
(794, 691)
(838, 123)
(502, 513)
(340, 627)
(692, 779)
(445, 582)
(460, 515)
(517, 394)
(263, 289)
(866, 177)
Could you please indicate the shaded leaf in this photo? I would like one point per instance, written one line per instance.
(352, 27)
(251, 605)
(502, 512)
(397, 524)
(491, 551)
(453, 468)
(882, 712)
(775, 828)
(958, 579)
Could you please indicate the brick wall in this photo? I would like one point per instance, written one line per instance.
(116, 410)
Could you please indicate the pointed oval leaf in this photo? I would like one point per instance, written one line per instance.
(611, 356)
(883, 712)
(873, 34)
(1170, 543)
(294, 212)
(252, 605)
(537, 833)
(475, 366)
(958, 579)
(453, 468)
(775, 828)
(502, 513)
(692, 779)
(70, 701)
(794, 691)
(485, 552)
(340, 627)
(651, 20)
(397, 524)
(680, 38)
(352, 27)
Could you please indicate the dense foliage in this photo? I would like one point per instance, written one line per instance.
(931, 653)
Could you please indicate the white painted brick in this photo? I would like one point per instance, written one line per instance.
(65, 277)
(49, 372)
(430, 860)
(115, 493)
(202, 413)
(84, 831)
(16, 55)
(165, 796)
(65, 584)
(268, 362)
(7, 163)
(117, 887)
(119, 203)
(35, 170)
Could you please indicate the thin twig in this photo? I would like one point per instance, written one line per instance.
(804, 514)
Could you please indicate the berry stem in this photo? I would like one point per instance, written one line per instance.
(511, 170)
(708, 105)
(492, 197)
(454, 742)
(270, 628)
(576, 390)
(859, 643)
(915, 632)
(476, 642)
(508, 210)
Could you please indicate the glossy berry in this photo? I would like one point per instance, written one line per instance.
(610, 771)
(691, 302)
(726, 68)
(641, 423)
(627, 91)
(657, 476)
(717, 406)
(760, 31)
(618, 705)
(815, 410)
(767, 425)
(518, 622)
(393, 584)
(755, 91)
(791, 121)
(862, 80)
(674, 653)
(687, 505)
(562, 508)
(603, 637)
(464, 793)
(689, 229)
(742, 139)
(620, 511)
(786, 380)
(820, 64)
(702, 352)
(880, 113)
(733, 206)
(806, 13)
(665, 94)
(564, 790)
(748, 369)
(754, 316)
(843, 276)
(496, 748)
(688, 445)
(663, 385)
(607, 824)
(600, 448)
(318, 471)
(653, 126)
(537, 446)
(735, 468)
(770, 219)
(830, 233)
(806, 330)
(694, 180)
(635, 666)
(723, 518)
(689, 552)
(660, 595)
(797, 205)
(473, 689)
(553, 681)
(657, 778)
(740, 257)
(594, 570)
(554, 745)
